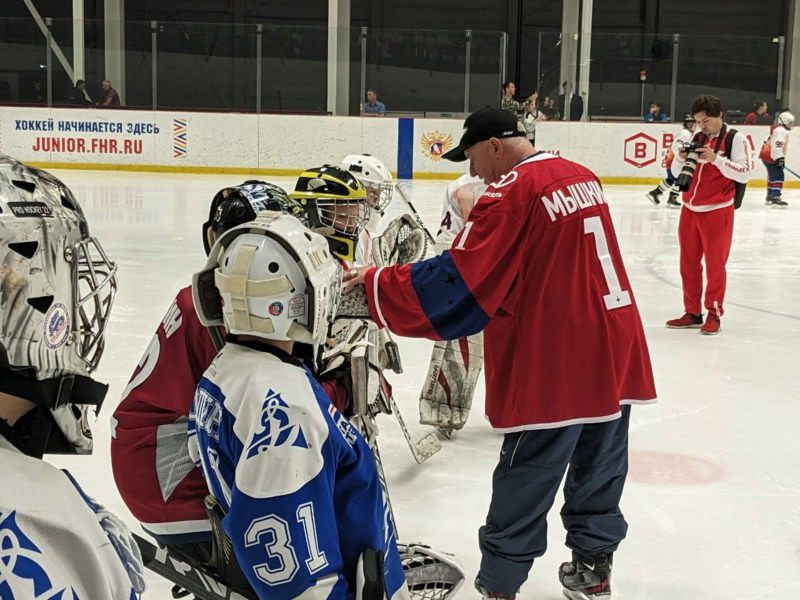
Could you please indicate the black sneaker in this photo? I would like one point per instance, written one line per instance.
(654, 196)
(587, 580)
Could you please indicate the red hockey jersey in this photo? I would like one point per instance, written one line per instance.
(149, 448)
(537, 268)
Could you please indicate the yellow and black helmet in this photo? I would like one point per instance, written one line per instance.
(335, 205)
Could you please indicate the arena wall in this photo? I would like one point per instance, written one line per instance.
(194, 142)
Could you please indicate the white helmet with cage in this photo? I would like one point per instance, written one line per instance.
(376, 177)
(57, 287)
(271, 278)
(786, 119)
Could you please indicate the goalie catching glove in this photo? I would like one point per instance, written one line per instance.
(402, 243)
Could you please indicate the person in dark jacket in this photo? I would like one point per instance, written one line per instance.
(76, 96)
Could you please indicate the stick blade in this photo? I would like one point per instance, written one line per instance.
(426, 447)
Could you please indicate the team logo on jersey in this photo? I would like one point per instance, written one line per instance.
(21, 572)
(278, 430)
(435, 144)
(56, 326)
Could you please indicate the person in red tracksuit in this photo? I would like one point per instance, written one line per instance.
(706, 225)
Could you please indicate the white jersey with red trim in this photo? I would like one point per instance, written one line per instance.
(459, 199)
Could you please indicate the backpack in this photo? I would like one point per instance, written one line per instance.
(738, 187)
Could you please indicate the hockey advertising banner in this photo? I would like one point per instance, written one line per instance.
(286, 144)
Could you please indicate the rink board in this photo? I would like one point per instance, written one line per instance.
(194, 142)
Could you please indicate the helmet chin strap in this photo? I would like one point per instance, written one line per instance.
(36, 428)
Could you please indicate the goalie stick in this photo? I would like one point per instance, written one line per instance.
(174, 568)
(423, 449)
(416, 214)
(430, 575)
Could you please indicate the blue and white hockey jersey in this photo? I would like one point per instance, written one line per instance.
(55, 542)
(299, 484)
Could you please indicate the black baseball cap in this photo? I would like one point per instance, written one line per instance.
(483, 125)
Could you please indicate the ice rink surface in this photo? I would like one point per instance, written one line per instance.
(713, 494)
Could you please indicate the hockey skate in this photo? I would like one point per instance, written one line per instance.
(585, 580)
(654, 196)
(776, 202)
(673, 201)
(687, 321)
(491, 595)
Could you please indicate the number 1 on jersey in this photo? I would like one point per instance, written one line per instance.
(617, 297)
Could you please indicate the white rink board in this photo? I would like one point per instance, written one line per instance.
(627, 152)
(286, 144)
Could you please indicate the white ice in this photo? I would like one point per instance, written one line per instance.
(713, 495)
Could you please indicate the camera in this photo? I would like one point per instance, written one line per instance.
(684, 179)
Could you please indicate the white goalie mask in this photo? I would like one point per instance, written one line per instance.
(272, 278)
(376, 177)
(57, 287)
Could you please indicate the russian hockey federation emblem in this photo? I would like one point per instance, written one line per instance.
(278, 430)
(435, 144)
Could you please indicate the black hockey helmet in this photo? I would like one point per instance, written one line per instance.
(233, 206)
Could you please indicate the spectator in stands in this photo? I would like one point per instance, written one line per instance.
(76, 96)
(112, 97)
(554, 114)
(575, 104)
(655, 115)
(509, 104)
(373, 107)
(759, 112)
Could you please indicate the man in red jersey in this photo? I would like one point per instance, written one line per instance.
(723, 165)
(538, 269)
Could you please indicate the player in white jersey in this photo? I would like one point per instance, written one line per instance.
(376, 178)
(773, 156)
(682, 140)
(57, 289)
(446, 396)
(304, 507)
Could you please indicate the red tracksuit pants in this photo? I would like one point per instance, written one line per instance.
(705, 236)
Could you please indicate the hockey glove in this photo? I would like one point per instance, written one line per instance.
(781, 162)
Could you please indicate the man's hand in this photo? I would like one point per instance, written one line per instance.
(707, 154)
(353, 277)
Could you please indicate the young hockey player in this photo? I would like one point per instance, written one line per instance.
(446, 397)
(668, 185)
(304, 507)
(57, 290)
(149, 452)
(773, 155)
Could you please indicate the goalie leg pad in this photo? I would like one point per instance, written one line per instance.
(446, 398)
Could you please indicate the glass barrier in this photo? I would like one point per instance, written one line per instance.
(294, 69)
(285, 69)
(417, 70)
(23, 62)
